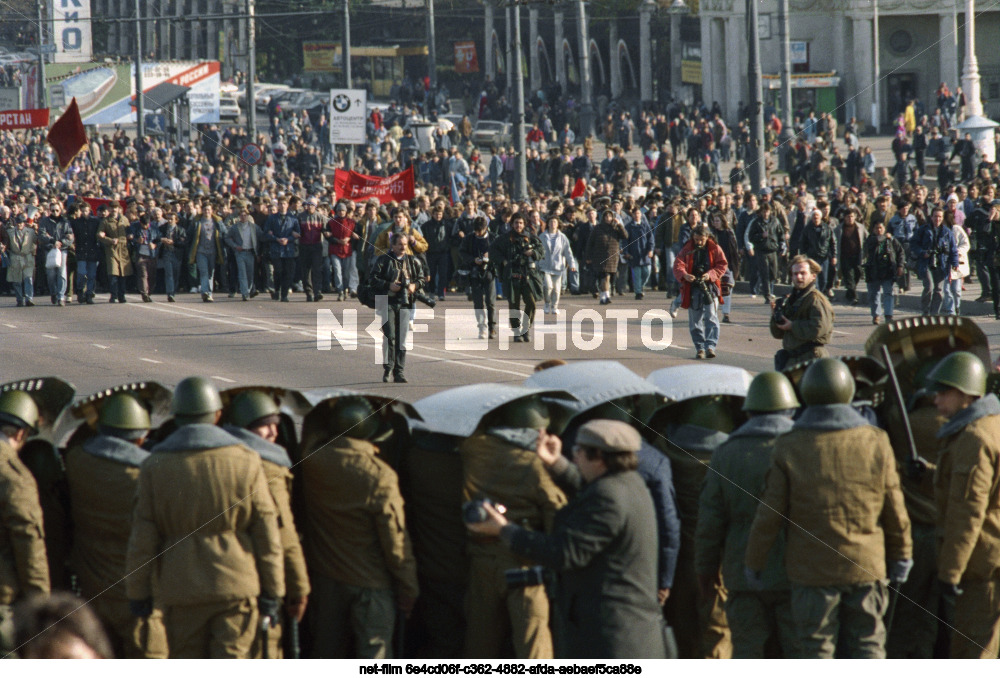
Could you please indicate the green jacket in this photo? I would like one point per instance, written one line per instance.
(729, 500)
(812, 324)
(24, 568)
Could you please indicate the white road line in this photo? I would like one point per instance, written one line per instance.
(13, 327)
(150, 360)
(101, 346)
(50, 336)
(155, 307)
(228, 381)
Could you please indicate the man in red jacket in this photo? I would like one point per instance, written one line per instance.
(698, 268)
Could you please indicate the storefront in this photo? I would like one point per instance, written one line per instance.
(810, 92)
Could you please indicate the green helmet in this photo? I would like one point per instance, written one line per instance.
(827, 382)
(770, 392)
(353, 417)
(617, 410)
(195, 397)
(961, 370)
(531, 412)
(124, 411)
(19, 409)
(251, 406)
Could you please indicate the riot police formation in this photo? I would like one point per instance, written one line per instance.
(847, 507)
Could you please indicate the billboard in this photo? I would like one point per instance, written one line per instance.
(71, 31)
(348, 116)
(105, 91)
(466, 59)
(321, 57)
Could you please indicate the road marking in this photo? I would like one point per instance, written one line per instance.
(50, 336)
(150, 360)
(13, 327)
(228, 381)
(155, 307)
(101, 346)
(842, 333)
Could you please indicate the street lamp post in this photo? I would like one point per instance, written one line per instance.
(251, 70)
(347, 69)
(431, 63)
(586, 86)
(140, 113)
(755, 151)
(970, 69)
(521, 162)
(875, 67)
(41, 60)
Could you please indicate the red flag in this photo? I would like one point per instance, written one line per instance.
(128, 186)
(579, 189)
(356, 186)
(232, 189)
(67, 135)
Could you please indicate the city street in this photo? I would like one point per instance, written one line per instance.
(263, 342)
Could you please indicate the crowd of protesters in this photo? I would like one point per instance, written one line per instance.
(193, 218)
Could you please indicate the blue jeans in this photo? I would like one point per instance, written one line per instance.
(343, 270)
(879, 296)
(24, 289)
(86, 276)
(244, 270)
(640, 276)
(56, 278)
(952, 297)
(171, 273)
(930, 298)
(206, 271)
(703, 321)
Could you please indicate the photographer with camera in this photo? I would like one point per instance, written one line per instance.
(397, 275)
(603, 546)
(803, 320)
(699, 269)
(475, 253)
(516, 257)
(934, 249)
(499, 465)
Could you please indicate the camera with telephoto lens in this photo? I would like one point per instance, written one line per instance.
(522, 577)
(424, 299)
(779, 310)
(475, 512)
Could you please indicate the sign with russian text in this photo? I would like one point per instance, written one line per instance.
(71, 31)
(28, 119)
(356, 186)
(348, 116)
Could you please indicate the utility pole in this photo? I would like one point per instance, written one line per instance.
(784, 147)
(875, 67)
(347, 69)
(140, 113)
(41, 59)
(521, 165)
(431, 63)
(755, 152)
(586, 90)
(251, 70)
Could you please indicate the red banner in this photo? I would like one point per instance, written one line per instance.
(355, 186)
(26, 119)
(466, 60)
(95, 203)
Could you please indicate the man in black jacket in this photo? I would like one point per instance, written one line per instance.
(475, 254)
(602, 545)
(88, 251)
(396, 275)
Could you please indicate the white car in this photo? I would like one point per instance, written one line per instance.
(229, 110)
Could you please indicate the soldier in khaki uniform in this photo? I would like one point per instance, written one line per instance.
(806, 322)
(966, 485)
(206, 529)
(696, 427)
(760, 620)
(24, 568)
(113, 234)
(102, 475)
(834, 484)
(499, 464)
(359, 553)
(255, 416)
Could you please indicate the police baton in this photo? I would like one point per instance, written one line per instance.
(914, 466)
(890, 611)
(265, 635)
(294, 646)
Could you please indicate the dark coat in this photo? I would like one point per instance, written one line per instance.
(603, 248)
(604, 547)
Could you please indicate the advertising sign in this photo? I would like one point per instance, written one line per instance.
(71, 31)
(466, 60)
(348, 115)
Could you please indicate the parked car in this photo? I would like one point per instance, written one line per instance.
(229, 110)
(491, 133)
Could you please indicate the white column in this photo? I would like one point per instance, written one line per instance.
(948, 47)
(863, 66)
(560, 16)
(734, 79)
(722, 71)
(534, 67)
(970, 68)
(613, 62)
(491, 70)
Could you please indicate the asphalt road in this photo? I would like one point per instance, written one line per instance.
(266, 342)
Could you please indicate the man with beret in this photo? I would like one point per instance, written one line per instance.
(602, 545)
